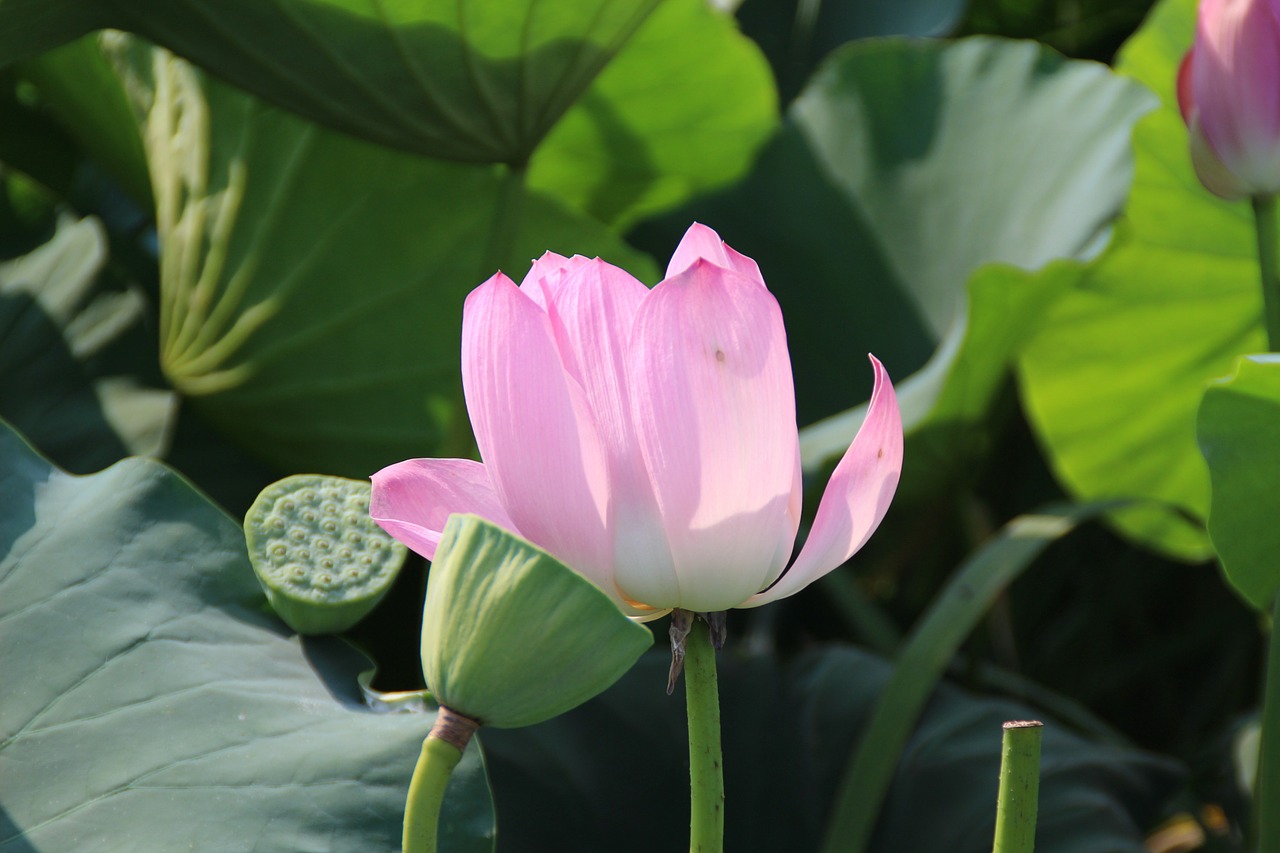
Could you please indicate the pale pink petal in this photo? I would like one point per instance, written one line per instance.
(701, 242)
(547, 274)
(533, 427)
(592, 317)
(715, 416)
(412, 500)
(857, 497)
(1234, 82)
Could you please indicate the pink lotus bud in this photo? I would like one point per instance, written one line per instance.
(646, 438)
(1229, 93)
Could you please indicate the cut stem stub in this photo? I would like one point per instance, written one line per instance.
(1019, 787)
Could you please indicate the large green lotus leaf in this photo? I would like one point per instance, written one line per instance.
(787, 731)
(1114, 375)
(312, 284)
(1237, 431)
(152, 702)
(682, 109)
(969, 153)
(482, 80)
(64, 331)
(910, 167)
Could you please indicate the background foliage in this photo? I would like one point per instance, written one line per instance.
(236, 237)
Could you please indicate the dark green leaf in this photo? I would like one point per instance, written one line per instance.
(59, 325)
(586, 780)
(153, 703)
(28, 27)
(931, 646)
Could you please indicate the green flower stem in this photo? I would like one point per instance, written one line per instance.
(1266, 788)
(1019, 788)
(441, 752)
(1264, 218)
(706, 768)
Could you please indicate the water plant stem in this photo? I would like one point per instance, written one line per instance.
(1019, 788)
(441, 752)
(706, 767)
(1266, 788)
(1264, 219)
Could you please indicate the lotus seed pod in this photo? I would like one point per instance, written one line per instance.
(323, 563)
(511, 636)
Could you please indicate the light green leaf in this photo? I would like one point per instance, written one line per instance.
(921, 137)
(948, 158)
(1237, 432)
(153, 703)
(1114, 375)
(511, 636)
(59, 323)
(682, 109)
(312, 284)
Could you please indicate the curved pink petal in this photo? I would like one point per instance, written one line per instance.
(714, 409)
(701, 242)
(533, 426)
(592, 316)
(857, 497)
(412, 500)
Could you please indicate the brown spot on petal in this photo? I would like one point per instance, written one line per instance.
(720, 356)
(880, 453)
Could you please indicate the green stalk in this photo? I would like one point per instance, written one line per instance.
(441, 752)
(1266, 788)
(426, 793)
(1019, 788)
(1264, 219)
(706, 767)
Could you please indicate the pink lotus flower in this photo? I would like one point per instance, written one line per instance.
(1229, 94)
(647, 438)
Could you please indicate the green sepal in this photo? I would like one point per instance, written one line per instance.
(1236, 428)
(322, 561)
(511, 636)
